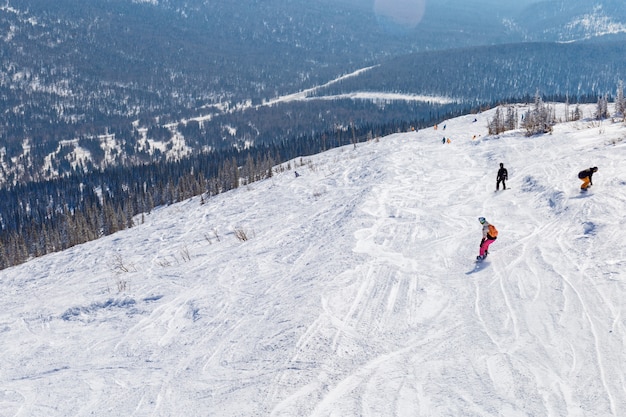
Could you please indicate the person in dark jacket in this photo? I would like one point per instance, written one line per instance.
(503, 175)
(585, 176)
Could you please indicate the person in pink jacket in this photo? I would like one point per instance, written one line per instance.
(490, 234)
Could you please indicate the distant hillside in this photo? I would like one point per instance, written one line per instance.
(486, 74)
(573, 20)
(86, 85)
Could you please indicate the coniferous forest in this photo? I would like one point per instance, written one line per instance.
(48, 216)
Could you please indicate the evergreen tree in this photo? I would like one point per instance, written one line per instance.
(510, 122)
(577, 114)
(496, 125)
(540, 118)
(602, 108)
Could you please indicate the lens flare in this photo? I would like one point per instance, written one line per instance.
(404, 13)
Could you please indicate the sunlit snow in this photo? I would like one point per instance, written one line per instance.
(351, 291)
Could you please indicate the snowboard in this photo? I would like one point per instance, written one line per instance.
(479, 265)
(480, 260)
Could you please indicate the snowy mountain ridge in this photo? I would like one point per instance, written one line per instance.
(595, 24)
(348, 289)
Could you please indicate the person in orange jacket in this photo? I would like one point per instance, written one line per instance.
(585, 176)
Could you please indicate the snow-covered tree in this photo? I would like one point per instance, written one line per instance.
(577, 113)
(602, 109)
(496, 125)
(511, 119)
(540, 118)
(502, 122)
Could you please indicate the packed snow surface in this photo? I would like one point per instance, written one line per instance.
(352, 290)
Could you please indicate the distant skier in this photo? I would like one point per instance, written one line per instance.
(585, 176)
(490, 234)
(503, 175)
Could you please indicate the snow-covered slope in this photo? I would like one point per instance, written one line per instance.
(572, 21)
(593, 25)
(355, 293)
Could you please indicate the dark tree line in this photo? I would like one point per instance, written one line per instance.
(47, 216)
(491, 73)
(39, 217)
(257, 126)
(541, 117)
(43, 217)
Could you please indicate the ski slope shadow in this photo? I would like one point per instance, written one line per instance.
(478, 266)
(582, 194)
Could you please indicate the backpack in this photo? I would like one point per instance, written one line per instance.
(493, 232)
(583, 174)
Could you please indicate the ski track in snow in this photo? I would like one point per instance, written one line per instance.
(356, 294)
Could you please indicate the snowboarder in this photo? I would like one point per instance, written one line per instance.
(490, 234)
(503, 175)
(585, 176)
